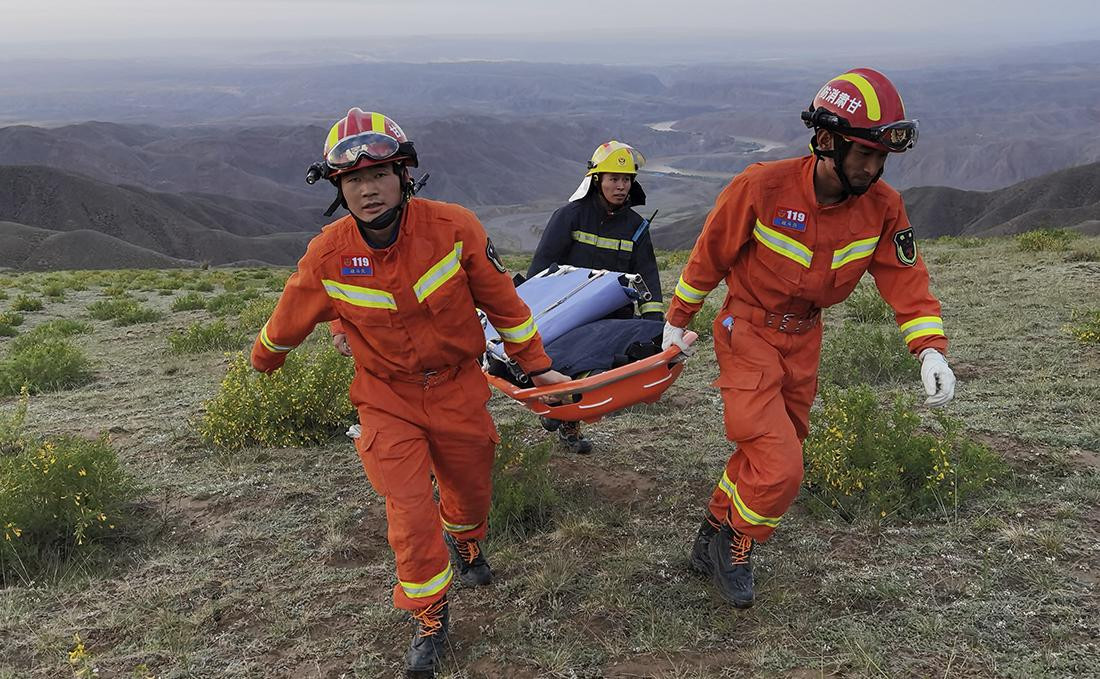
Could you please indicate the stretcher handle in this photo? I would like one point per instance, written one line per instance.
(585, 384)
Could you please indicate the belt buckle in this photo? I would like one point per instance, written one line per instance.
(784, 320)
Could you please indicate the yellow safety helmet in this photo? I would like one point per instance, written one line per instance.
(613, 157)
(617, 157)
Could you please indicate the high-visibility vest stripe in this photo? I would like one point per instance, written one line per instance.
(730, 489)
(689, 293)
(853, 251)
(651, 307)
(520, 333)
(419, 590)
(601, 242)
(364, 297)
(783, 244)
(271, 346)
(921, 327)
(458, 527)
(441, 272)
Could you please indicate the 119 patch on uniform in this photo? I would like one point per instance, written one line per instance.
(790, 219)
(905, 244)
(355, 265)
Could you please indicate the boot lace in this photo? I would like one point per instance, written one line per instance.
(468, 550)
(740, 549)
(430, 619)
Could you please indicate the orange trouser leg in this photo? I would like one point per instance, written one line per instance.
(463, 443)
(768, 380)
(409, 432)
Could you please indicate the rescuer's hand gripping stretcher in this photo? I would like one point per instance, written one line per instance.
(615, 363)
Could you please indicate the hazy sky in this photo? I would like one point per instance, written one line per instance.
(979, 21)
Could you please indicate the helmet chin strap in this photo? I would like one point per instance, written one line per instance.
(841, 146)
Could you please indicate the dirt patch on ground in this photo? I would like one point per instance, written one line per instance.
(621, 486)
(367, 542)
(672, 665)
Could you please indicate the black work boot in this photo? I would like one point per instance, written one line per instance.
(571, 437)
(731, 559)
(549, 423)
(700, 551)
(429, 641)
(468, 559)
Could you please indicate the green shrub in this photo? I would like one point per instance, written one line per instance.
(1046, 239)
(200, 286)
(303, 403)
(865, 305)
(255, 314)
(55, 329)
(230, 303)
(965, 242)
(26, 303)
(1085, 326)
(703, 321)
(523, 496)
(867, 460)
(189, 302)
(46, 363)
(57, 496)
(7, 330)
(53, 290)
(123, 311)
(9, 321)
(3, 293)
(856, 353)
(199, 337)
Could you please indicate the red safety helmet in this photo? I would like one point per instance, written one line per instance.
(364, 138)
(863, 106)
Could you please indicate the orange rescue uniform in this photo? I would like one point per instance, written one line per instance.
(409, 314)
(783, 257)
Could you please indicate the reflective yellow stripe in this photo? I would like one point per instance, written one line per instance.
(440, 273)
(853, 251)
(730, 489)
(333, 137)
(271, 346)
(364, 297)
(783, 244)
(378, 123)
(870, 97)
(689, 294)
(921, 327)
(601, 242)
(651, 307)
(520, 333)
(419, 590)
(457, 527)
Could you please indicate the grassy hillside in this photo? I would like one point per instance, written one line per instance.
(273, 561)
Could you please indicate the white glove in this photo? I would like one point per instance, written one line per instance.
(674, 335)
(939, 381)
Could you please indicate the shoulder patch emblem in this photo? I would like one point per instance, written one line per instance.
(494, 258)
(905, 244)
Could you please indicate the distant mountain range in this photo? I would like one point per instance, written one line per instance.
(53, 219)
(1065, 199)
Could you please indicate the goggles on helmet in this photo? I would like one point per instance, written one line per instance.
(897, 136)
(373, 145)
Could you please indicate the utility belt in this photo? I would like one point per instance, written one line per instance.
(790, 323)
(428, 378)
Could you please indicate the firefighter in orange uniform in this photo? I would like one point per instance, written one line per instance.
(789, 238)
(402, 276)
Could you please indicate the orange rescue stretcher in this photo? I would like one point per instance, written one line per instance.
(563, 298)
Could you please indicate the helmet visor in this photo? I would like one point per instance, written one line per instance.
(896, 137)
(373, 145)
